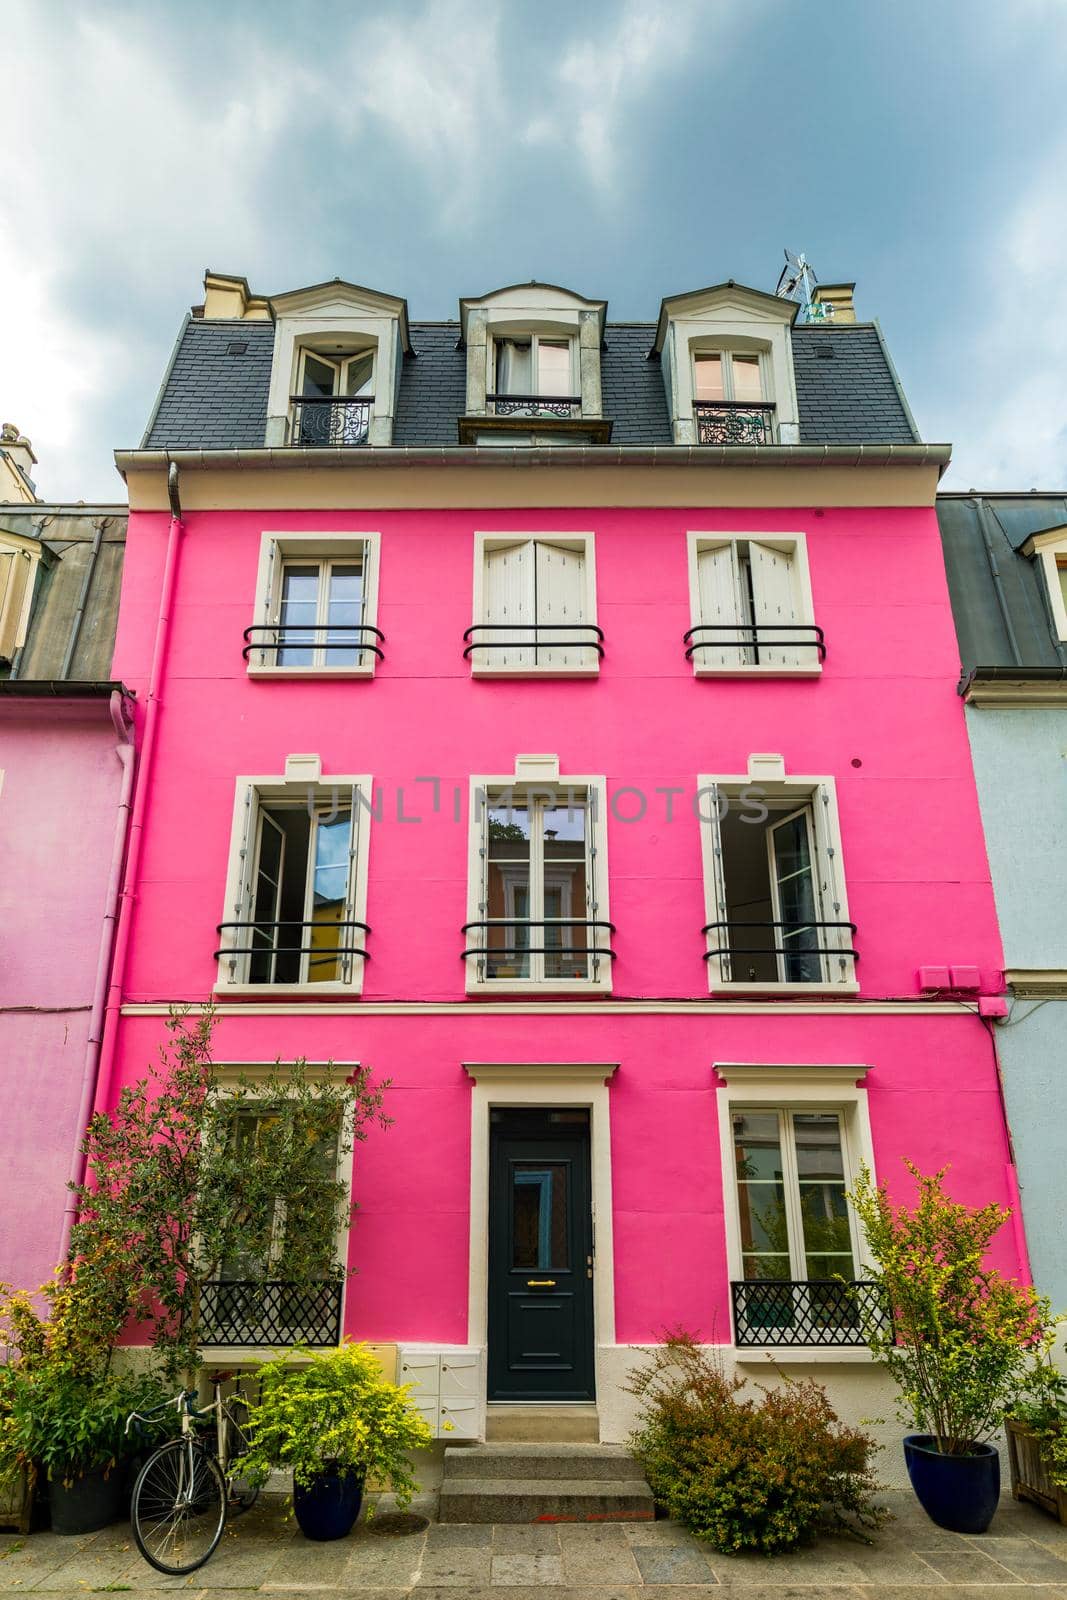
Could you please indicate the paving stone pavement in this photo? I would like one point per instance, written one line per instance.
(1023, 1557)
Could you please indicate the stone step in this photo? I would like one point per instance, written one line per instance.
(604, 1462)
(535, 1424)
(546, 1500)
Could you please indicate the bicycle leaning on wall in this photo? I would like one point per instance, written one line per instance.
(188, 1486)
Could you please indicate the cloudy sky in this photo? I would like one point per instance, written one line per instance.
(626, 148)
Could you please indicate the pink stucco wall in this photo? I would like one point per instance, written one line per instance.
(883, 719)
(58, 800)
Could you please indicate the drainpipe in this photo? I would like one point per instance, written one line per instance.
(99, 524)
(123, 722)
(998, 582)
(140, 798)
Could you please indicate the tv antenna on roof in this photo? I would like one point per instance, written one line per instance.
(797, 282)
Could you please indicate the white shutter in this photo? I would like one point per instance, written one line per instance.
(829, 875)
(719, 596)
(774, 599)
(244, 877)
(16, 586)
(561, 601)
(509, 599)
(720, 960)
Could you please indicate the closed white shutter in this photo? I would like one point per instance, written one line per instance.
(561, 602)
(719, 595)
(509, 606)
(774, 601)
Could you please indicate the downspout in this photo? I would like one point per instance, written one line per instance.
(99, 524)
(123, 722)
(998, 583)
(140, 798)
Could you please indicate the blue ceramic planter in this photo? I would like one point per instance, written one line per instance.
(960, 1493)
(328, 1508)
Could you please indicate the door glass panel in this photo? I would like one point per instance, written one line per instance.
(1061, 569)
(513, 370)
(508, 876)
(264, 937)
(319, 378)
(708, 375)
(795, 880)
(747, 379)
(564, 832)
(344, 613)
(823, 1206)
(761, 1195)
(299, 608)
(553, 366)
(539, 1215)
(358, 376)
(329, 898)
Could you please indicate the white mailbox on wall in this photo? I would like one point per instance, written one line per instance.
(448, 1387)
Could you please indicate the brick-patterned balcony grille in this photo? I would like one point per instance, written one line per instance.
(319, 421)
(536, 405)
(806, 1312)
(270, 1313)
(733, 422)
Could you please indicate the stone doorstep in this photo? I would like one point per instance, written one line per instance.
(488, 1461)
(546, 1500)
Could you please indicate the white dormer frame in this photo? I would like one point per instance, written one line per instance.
(337, 319)
(1050, 548)
(20, 562)
(728, 317)
(533, 310)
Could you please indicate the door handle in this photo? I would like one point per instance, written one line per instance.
(540, 1283)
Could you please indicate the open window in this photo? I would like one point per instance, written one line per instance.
(777, 908)
(316, 606)
(334, 396)
(751, 606)
(297, 893)
(538, 916)
(534, 606)
(535, 377)
(20, 559)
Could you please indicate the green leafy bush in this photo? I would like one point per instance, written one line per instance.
(68, 1425)
(759, 1473)
(333, 1410)
(962, 1339)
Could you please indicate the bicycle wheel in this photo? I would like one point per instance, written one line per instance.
(242, 1494)
(178, 1507)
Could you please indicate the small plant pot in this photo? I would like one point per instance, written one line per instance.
(89, 1501)
(961, 1492)
(328, 1507)
(1030, 1476)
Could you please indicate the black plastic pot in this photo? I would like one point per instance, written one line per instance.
(961, 1492)
(89, 1501)
(328, 1507)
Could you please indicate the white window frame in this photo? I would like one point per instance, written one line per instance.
(1051, 550)
(786, 1088)
(16, 601)
(518, 786)
(339, 360)
(253, 793)
(492, 663)
(256, 1071)
(279, 549)
(795, 545)
(766, 780)
(726, 354)
(535, 338)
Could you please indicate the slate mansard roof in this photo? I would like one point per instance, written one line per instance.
(214, 396)
(1000, 600)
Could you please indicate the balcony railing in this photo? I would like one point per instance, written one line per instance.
(536, 405)
(807, 954)
(806, 1312)
(337, 946)
(751, 637)
(271, 638)
(535, 637)
(561, 960)
(733, 422)
(270, 1313)
(319, 421)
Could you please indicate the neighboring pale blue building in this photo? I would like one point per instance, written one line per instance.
(1006, 556)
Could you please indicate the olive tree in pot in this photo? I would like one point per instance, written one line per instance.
(333, 1420)
(958, 1342)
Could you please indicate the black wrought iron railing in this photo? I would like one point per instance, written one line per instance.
(266, 944)
(806, 1312)
(733, 422)
(536, 405)
(507, 960)
(754, 637)
(270, 1313)
(326, 420)
(537, 637)
(273, 638)
(789, 945)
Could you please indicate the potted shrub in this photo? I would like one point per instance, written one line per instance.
(332, 1420)
(958, 1342)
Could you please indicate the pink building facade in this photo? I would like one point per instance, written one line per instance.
(596, 777)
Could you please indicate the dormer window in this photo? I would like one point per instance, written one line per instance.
(334, 402)
(1050, 550)
(534, 377)
(730, 398)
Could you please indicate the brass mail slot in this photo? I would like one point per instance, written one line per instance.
(540, 1283)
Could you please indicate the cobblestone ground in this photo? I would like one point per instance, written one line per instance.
(1023, 1556)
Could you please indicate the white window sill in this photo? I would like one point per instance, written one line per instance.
(307, 991)
(506, 988)
(796, 1355)
(535, 672)
(310, 672)
(724, 991)
(758, 670)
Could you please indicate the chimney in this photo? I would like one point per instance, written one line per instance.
(16, 459)
(229, 299)
(837, 298)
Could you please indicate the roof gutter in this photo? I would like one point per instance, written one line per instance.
(1013, 675)
(379, 456)
(62, 688)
